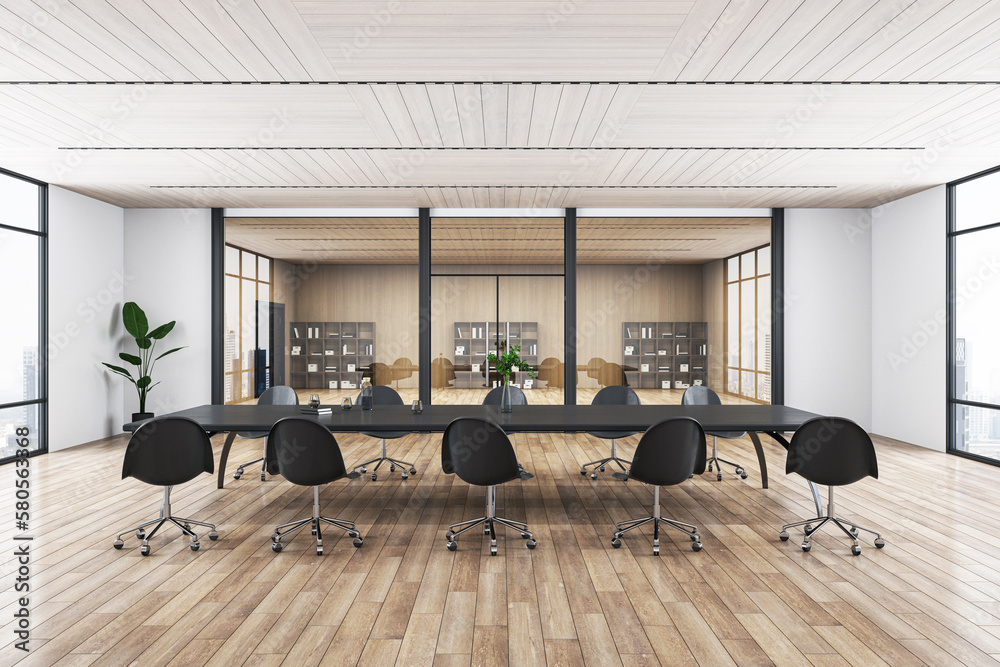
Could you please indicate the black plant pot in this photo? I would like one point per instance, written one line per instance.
(141, 416)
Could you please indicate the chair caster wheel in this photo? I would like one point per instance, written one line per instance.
(144, 549)
(374, 477)
(319, 551)
(118, 544)
(593, 475)
(602, 468)
(363, 469)
(696, 538)
(413, 471)
(783, 536)
(531, 544)
(195, 546)
(486, 529)
(449, 536)
(709, 467)
(358, 542)
(276, 547)
(656, 551)
(806, 546)
(392, 468)
(856, 550)
(525, 536)
(696, 546)
(313, 530)
(718, 477)
(236, 475)
(854, 533)
(140, 534)
(808, 528)
(213, 536)
(404, 475)
(452, 546)
(493, 550)
(353, 533)
(263, 477)
(582, 471)
(879, 543)
(616, 543)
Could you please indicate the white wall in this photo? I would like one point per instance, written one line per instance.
(828, 315)
(86, 287)
(168, 258)
(909, 339)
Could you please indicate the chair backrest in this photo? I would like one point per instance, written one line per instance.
(402, 368)
(616, 395)
(279, 395)
(480, 452)
(304, 452)
(700, 395)
(382, 395)
(517, 396)
(669, 452)
(831, 451)
(168, 451)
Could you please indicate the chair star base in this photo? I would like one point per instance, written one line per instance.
(717, 462)
(164, 518)
(688, 529)
(378, 461)
(601, 463)
(263, 469)
(315, 521)
(489, 526)
(841, 523)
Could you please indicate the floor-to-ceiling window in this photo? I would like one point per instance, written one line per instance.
(247, 337)
(748, 324)
(23, 227)
(974, 303)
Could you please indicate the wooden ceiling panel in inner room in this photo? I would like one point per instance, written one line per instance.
(667, 240)
(328, 240)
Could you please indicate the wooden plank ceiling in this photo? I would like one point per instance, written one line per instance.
(503, 104)
(492, 241)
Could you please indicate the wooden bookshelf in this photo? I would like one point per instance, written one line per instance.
(665, 355)
(330, 355)
(475, 340)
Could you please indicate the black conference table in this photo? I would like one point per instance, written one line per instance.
(754, 419)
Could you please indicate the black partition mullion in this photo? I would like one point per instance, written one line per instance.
(424, 306)
(777, 306)
(569, 314)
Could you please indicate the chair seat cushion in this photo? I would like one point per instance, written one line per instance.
(250, 435)
(727, 434)
(612, 434)
(388, 435)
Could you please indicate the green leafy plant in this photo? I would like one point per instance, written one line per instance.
(137, 326)
(509, 361)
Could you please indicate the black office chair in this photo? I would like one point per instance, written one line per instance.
(495, 394)
(613, 395)
(167, 452)
(480, 453)
(835, 452)
(384, 396)
(701, 395)
(280, 395)
(668, 453)
(305, 453)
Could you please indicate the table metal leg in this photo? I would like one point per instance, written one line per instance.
(225, 456)
(760, 458)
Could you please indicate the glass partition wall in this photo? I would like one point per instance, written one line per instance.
(651, 297)
(341, 309)
(497, 283)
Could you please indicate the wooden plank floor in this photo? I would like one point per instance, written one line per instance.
(932, 596)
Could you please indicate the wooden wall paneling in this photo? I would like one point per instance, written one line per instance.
(608, 295)
(534, 299)
(284, 289)
(458, 299)
(713, 286)
(383, 294)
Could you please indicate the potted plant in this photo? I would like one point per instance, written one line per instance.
(508, 362)
(137, 326)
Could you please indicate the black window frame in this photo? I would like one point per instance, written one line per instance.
(952, 234)
(42, 233)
